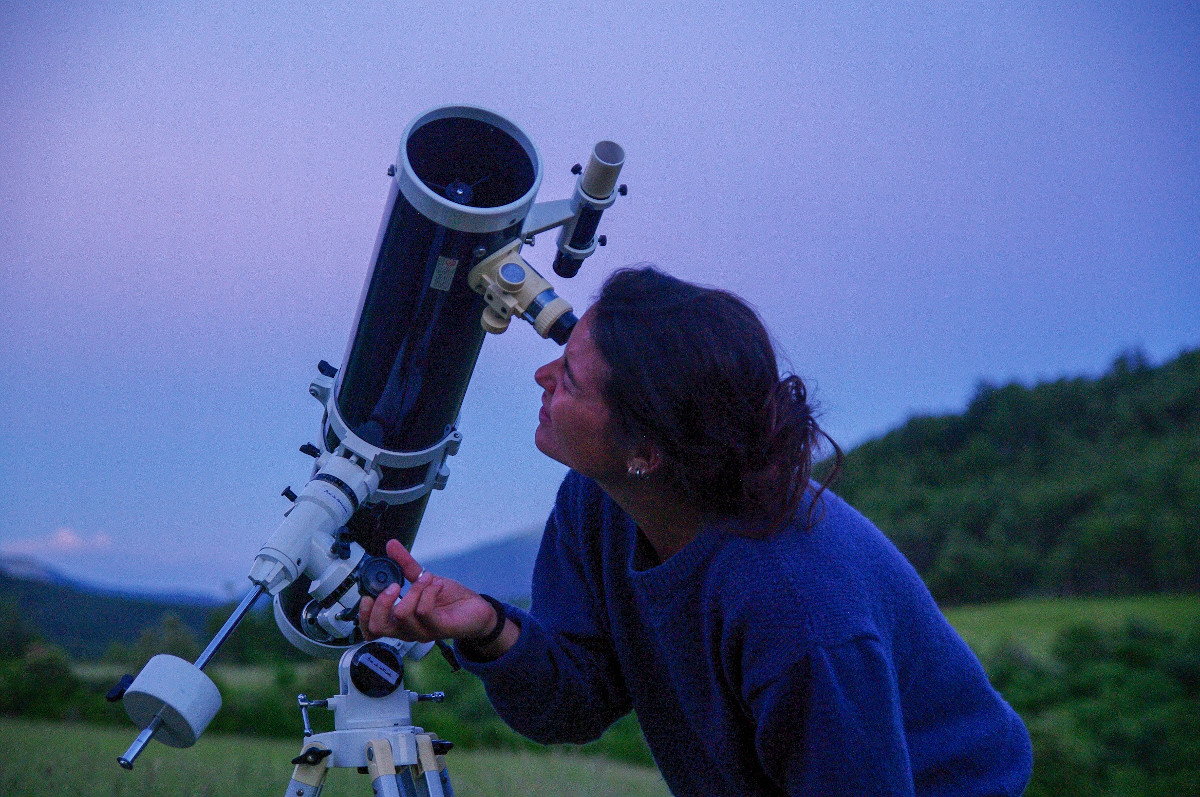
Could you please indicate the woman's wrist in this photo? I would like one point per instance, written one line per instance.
(496, 630)
(498, 639)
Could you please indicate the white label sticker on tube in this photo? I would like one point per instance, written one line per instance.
(443, 273)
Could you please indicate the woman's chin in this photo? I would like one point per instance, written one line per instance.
(539, 440)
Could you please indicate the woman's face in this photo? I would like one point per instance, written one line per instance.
(574, 425)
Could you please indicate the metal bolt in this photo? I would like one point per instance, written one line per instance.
(602, 240)
(623, 189)
(576, 169)
(392, 170)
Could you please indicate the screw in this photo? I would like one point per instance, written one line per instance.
(392, 170)
(576, 169)
(623, 189)
(602, 240)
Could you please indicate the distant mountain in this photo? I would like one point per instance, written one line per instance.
(32, 570)
(29, 569)
(85, 619)
(502, 569)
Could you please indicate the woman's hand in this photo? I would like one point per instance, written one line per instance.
(434, 607)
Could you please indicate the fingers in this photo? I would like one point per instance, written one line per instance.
(364, 616)
(413, 625)
(375, 616)
(391, 615)
(433, 607)
(427, 603)
(400, 555)
(427, 612)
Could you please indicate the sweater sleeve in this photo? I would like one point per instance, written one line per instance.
(561, 681)
(830, 723)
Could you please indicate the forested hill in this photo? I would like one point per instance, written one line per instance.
(1073, 487)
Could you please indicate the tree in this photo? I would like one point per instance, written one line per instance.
(16, 634)
(170, 636)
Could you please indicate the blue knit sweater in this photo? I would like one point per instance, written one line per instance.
(811, 662)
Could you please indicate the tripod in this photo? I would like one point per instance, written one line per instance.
(373, 730)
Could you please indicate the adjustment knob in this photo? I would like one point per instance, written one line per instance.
(492, 321)
(312, 756)
(511, 277)
(377, 573)
(118, 691)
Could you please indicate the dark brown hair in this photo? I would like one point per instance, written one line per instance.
(695, 375)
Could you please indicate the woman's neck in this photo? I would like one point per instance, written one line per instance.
(667, 524)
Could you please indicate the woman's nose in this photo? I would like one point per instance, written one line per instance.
(543, 375)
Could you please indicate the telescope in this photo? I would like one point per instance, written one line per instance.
(447, 270)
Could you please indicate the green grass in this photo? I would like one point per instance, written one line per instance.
(61, 758)
(1033, 624)
(44, 758)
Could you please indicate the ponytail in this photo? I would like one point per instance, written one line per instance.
(792, 438)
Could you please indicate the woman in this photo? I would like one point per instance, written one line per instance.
(769, 637)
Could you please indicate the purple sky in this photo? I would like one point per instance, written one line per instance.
(916, 196)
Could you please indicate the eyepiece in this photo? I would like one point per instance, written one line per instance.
(560, 330)
(600, 176)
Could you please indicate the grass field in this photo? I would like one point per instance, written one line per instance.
(65, 759)
(51, 758)
(1033, 624)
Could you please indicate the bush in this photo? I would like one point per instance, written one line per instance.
(1111, 713)
(42, 684)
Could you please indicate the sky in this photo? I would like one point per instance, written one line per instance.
(918, 198)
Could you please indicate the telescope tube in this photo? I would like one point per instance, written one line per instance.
(464, 180)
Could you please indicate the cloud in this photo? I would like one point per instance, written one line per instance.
(62, 540)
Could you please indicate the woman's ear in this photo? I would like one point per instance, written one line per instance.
(644, 460)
